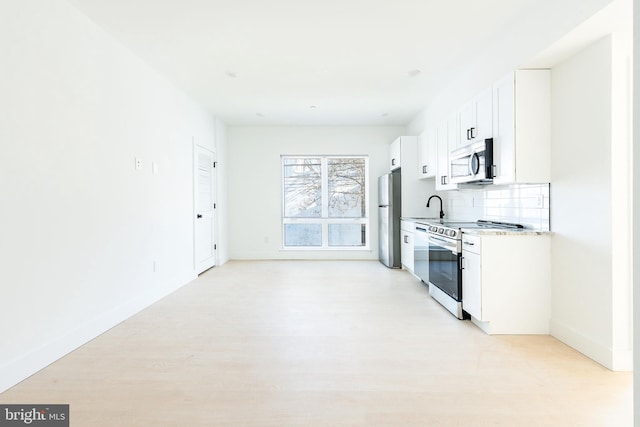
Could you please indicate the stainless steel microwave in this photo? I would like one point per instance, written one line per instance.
(473, 163)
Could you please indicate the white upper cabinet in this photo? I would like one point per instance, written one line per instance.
(447, 140)
(414, 190)
(395, 151)
(476, 119)
(522, 127)
(427, 153)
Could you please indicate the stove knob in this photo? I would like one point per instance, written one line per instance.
(440, 230)
(452, 233)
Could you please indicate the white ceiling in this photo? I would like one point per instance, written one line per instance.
(326, 62)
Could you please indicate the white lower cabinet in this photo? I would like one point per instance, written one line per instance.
(471, 276)
(506, 282)
(406, 249)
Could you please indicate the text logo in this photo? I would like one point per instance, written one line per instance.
(34, 415)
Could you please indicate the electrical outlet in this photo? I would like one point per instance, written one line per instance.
(138, 164)
(540, 201)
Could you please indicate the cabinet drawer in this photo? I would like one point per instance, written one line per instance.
(409, 226)
(471, 243)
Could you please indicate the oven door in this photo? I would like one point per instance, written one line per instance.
(444, 266)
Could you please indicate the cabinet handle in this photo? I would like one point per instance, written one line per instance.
(468, 243)
(406, 238)
(461, 263)
(424, 169)
(468, 137)
(472, 132)
(494, 171)
(393, 162)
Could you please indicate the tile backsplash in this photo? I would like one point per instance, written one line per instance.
(526, 204)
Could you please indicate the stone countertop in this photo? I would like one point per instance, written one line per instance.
(482, 231)
(504, 232)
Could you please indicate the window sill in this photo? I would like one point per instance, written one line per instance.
(321, 249)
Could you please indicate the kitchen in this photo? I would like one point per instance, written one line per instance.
(600, 331)
(588, 208)
(478, 148)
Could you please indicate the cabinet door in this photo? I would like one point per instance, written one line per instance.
(433, 152)
(426, 151)
(476, 118)
(467, 117)
(447, 140)
(484, 115)
(503, 130)
(522, 127)
(406, 250)
(472, 284)
(394, 154)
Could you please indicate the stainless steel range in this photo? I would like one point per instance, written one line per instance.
(444, 260)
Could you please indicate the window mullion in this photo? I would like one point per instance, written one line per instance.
(325, 202)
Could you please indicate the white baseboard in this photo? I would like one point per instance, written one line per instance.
(20, 369)
(613, 359)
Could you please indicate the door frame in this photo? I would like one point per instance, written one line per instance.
(196, 149)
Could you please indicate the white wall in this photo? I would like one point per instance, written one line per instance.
(636, 211)
(255, 182)
(80, 227)
(591, 299)
(222, 200)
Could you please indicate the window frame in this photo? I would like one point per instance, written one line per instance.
(324, 220)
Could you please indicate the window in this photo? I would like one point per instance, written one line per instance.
(325, 204)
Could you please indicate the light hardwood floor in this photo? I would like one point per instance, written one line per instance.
(321, 343)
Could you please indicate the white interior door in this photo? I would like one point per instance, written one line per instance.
(204, 209)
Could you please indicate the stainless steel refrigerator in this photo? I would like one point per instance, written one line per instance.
(389, 204)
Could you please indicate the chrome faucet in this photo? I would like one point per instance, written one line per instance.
(437, 197)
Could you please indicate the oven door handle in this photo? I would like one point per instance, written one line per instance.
(443, 243)
(436, 239)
